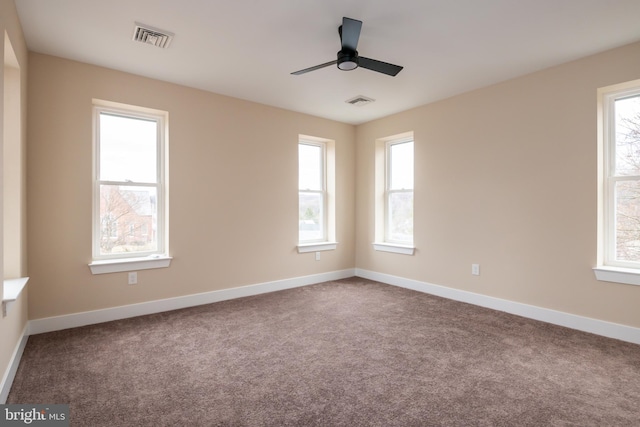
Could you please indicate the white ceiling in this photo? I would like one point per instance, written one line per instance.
(248, 48)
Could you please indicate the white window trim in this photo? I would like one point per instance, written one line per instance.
(382, 243)
(328, 241)
(322, 191)
(628, 276)
(394, 248)
(11, 290)
(145, 260)
(316, 247)
(608, 269)
(129, 264)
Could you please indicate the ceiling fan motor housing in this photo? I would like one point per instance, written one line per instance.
(347, 59)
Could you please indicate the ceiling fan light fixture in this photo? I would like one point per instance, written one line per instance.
(347, 61)
(347, 65)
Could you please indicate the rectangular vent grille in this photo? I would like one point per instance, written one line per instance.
(359, 101)
(153, 36)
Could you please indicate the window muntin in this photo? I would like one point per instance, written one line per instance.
(622, 178)
(129, 191)
(312, 194)
(399, 192)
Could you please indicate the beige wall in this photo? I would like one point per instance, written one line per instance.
(233, 190)
(13, 192)
(505, 177)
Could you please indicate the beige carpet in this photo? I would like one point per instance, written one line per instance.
(345, 353)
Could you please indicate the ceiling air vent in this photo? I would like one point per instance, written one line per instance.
(359, 101)
(149, 35)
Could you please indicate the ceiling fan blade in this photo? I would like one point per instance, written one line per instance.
(317, 67)
(379, 66)
(350, 33)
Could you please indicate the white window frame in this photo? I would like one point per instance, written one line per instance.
(322, 191)
(389, 192)
(608, 268)
(143, 260)
(328, 239)
(383, 191)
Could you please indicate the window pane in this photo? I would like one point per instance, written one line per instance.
(401, 217)
(310, 167)
(627, 128)
(310, 217)
(127, 149)
(628, 221)
(128, 219)
(401, 166)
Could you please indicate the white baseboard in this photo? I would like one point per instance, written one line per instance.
(75, 320)
(585, 324)
(10, 373)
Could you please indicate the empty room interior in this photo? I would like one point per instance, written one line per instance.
(467, 247)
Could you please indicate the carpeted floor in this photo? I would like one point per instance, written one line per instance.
(346, 353)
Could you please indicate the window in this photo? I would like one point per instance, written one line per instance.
(619, 177)
(316, 189)
(312, 195)
(130, 192)
(394, 194)
(399, 197)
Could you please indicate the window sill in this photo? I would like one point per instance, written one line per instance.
(11, 291)
(129, 264)
(629, 276)
(394, 248)
(316, 247)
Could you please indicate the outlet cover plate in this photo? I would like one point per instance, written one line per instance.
(475, 269)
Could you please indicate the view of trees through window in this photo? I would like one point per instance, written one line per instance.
(627, 179)
(128, 184)
(127, 219)
(311, 195)
(399, 227)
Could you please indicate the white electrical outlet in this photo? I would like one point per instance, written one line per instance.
(133, 278)
(317, 256)
(475, 269)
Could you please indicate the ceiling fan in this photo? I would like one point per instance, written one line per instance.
(348, 58)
